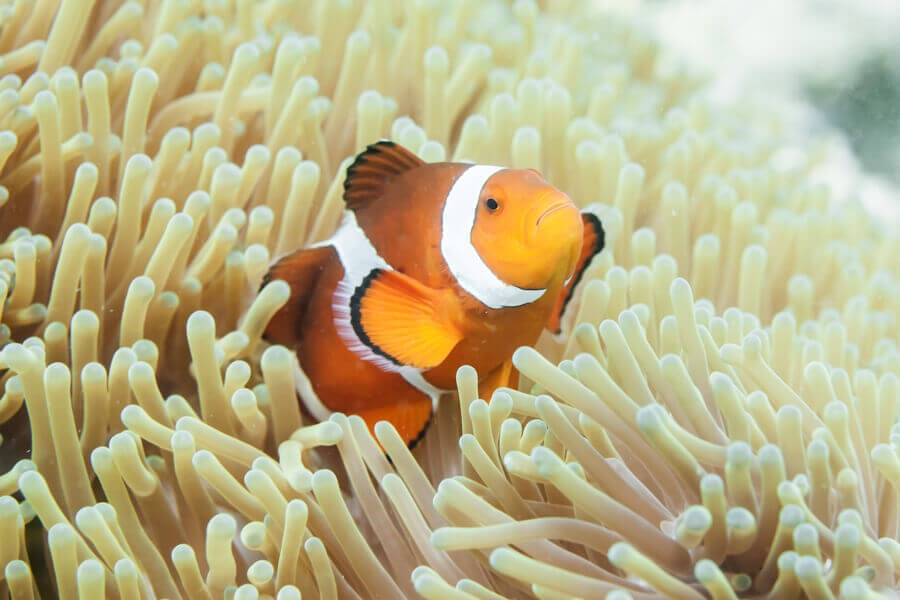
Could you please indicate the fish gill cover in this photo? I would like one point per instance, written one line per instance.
(720, 422)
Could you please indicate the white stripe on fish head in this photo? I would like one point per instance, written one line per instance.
(463, 259)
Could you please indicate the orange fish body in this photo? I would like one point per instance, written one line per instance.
(434, 266)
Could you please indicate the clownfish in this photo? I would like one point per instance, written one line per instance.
(433, 266)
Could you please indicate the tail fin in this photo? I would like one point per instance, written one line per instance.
(300, 270)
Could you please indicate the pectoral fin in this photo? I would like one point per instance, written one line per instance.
(405, 321)
(591, 246)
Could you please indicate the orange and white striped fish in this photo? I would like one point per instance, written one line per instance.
(434, 266)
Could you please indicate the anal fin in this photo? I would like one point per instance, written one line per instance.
(498, 378)
(410, 419)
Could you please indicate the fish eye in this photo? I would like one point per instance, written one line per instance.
(492, 204)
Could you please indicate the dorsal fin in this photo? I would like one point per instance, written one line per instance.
(374, 168)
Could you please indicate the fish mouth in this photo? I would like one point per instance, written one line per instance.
(552, 209)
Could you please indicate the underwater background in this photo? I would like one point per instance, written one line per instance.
(719, 420)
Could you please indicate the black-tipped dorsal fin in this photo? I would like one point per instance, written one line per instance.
(375, 167)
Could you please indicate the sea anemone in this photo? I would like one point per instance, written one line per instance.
(719, 421)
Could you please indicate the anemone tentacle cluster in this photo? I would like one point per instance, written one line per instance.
(720, 421)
